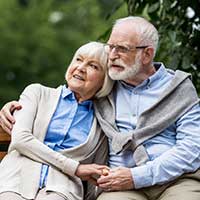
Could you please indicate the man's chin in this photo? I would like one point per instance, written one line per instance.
(115, 75)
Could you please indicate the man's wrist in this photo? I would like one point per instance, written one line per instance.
(142, 176)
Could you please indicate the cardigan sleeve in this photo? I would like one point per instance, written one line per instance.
(23, 140)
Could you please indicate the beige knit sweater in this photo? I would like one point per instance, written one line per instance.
(20, 169)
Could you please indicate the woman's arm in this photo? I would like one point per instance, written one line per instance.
(23, 140)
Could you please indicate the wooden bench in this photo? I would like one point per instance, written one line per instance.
(4, 143)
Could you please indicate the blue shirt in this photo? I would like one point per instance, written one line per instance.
(178, 156)
(69, 126)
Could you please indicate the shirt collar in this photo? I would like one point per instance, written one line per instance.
(67, 93)
(160, 72)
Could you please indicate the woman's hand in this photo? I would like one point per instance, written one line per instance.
(6, 118)
(91, 172)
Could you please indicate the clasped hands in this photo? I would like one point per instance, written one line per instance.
(119, 178)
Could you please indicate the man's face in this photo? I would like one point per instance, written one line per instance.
(124, 60)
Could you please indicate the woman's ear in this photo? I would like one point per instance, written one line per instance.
(147, 55)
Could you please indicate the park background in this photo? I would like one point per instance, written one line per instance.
(39, 37)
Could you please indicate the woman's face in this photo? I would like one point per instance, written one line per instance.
(85, 77)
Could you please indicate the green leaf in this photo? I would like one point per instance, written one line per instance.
(154, 7)
(105, 35)
(172, 36)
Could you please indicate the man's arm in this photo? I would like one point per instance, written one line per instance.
(183, 157)
(6, 118)
(119, 178)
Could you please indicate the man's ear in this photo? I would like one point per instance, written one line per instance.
(147, 55)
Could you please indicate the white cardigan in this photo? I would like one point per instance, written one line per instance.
(20, 169)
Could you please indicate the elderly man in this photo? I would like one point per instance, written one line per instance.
(152, 120)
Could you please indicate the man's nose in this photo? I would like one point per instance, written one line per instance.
(113, 54)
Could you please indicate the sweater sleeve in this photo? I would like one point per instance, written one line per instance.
(183, 157)
(23, 140)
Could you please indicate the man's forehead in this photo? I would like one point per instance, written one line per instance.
(121, 35)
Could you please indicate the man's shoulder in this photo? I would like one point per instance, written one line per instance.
(178, 73)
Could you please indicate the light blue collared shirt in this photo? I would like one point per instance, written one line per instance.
(178, 156)
(69, 126)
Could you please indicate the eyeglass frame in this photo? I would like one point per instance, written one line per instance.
(124, 49)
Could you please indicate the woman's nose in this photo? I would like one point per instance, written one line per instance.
(82, 67)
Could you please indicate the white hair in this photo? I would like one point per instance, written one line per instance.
(146, 31)
(97, 51)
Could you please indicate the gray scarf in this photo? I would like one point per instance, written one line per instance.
(176, 100)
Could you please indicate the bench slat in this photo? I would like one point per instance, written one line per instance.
(2, 154)
(4, 142)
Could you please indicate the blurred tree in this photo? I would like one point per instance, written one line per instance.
(38, 39)
(23, 2)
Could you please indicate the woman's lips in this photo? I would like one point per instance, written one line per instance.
(78, 77)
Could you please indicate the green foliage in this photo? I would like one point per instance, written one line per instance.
(38, 39)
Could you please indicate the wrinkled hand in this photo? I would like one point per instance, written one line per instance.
(6, 118)
(119, 178)
(90, 172)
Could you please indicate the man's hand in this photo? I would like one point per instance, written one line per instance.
(90, 172)
(6, 118)
(119, 178)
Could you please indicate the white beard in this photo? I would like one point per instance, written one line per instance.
(129, 71)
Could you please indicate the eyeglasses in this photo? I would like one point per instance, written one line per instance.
(123, 49)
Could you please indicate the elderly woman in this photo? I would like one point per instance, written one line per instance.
(56, 134)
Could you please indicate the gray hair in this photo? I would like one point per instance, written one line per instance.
(146, 31)
(97, 51)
